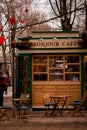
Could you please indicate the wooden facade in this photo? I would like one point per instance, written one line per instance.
(53, 64)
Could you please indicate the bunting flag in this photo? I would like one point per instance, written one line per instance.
(2, 40)
(12, 20)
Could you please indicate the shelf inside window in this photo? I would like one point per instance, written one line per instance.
(56, 67)
(72, 77)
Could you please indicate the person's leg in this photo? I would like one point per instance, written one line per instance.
(1, 99)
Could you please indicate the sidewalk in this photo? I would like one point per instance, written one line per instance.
(37, 121)
(8, 97)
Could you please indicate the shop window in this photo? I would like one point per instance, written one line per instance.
(56, 68)
(55, 75)
(72, 77)
(40, 68)
(40, 77)
(72, 59)
(72, 68)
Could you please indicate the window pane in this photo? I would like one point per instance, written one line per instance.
(56, 61)
(73, 77)
(40, 68)
(40, 77)
(72, 68)
(40, 59)
(56, 68)
(56, 75)
(72, 59)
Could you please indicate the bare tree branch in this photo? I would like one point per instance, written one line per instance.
(44, 21)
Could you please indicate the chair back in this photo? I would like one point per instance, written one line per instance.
(25, 95)
(24, 101)
(23, 108)
(46, 97)
(84, 98)
(79, 104)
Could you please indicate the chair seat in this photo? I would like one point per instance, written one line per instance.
(23, 108)
(80, 104)
(5, 107)
(76, 102)
(49, 103)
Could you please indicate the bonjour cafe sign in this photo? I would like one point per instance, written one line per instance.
(62, 43)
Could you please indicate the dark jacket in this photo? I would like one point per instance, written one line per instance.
(2, 85)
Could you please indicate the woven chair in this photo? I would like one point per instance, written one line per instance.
(23, 108)
(48, 103)
(4, 112)
(79, 105)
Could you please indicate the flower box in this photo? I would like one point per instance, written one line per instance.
(21, 45)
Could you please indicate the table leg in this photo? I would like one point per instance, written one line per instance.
(64, 103)
(54, 109)
(56, 106)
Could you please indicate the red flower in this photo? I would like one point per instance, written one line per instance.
(12, 20)
(0, 28)
(26, 10)
(2, 39)
(22, 21)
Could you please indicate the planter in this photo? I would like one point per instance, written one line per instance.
(21, 45)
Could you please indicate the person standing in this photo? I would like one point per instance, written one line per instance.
(2, 88)
(6, 82)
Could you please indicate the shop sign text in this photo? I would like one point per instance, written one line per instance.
(56, 44)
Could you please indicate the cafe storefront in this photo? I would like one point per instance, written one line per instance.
(54, 63)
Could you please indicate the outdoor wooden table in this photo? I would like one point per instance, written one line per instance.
(57, 99)
(15, 100)
(19, 100)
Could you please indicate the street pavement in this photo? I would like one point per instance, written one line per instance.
(37, 120)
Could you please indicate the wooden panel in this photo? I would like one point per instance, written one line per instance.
(75, 95)
(62, 89)
(75, 92)
(37, 99)
(49, 88)
(37, 87)
(38, 91)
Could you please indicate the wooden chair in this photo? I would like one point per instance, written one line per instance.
(23, 108)
(79, 105)
(4, 112)
(48, 103)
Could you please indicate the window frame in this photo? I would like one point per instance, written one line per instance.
(61, 68)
